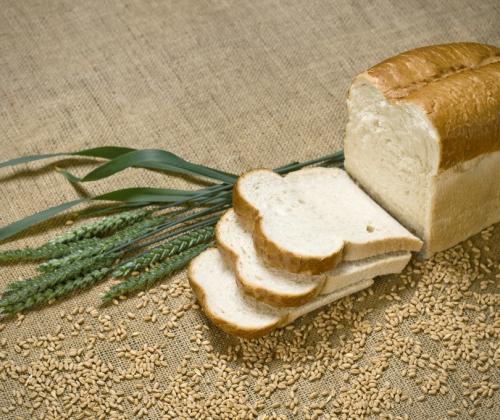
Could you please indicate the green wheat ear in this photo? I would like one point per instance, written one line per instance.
(27, 289)
(56, 291)
(102, 227)
(147, 279)
(45, 252)
(169, 249)
(102, 245)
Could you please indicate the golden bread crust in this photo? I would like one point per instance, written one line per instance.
(272, 253)
(230, 328)
(259, 293)
(458, 87)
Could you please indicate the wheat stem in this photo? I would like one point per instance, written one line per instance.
(45, 251)
(24, 290)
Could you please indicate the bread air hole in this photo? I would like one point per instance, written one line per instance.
(370, 228)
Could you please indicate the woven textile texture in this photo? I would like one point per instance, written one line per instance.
(234, 85)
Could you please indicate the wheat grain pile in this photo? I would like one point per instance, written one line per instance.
(234, 85)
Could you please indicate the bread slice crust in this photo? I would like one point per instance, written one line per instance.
(225, 325)
(261, 293)
(282, 258)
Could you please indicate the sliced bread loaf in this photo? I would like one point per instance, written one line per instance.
(214, 284)
(282, 288)
(312, 219)
(423, 139)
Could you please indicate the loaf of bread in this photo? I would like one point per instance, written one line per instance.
(423, 139)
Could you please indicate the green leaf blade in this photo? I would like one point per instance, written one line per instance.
(143, 196)
(23, 224)
(151, 159)
(105, 152)
(146, 195)
(30, 158)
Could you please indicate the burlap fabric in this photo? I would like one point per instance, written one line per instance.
(235, 85)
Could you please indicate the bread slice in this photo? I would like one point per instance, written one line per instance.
(312, 219)
(282, 288)
(214, 285)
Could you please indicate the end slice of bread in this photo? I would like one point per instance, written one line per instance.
(311, 220)
(353, 271)
(214, 285)
(281, 288)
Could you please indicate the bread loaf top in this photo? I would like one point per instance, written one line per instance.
(458, 87)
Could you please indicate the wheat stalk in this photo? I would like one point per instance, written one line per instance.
(100, 246)
(21, 290)
(88, 253)
(46, 251)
